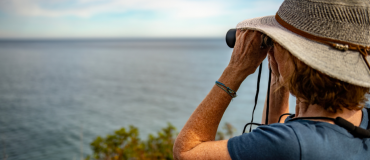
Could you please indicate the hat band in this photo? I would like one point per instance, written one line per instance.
(340, 45)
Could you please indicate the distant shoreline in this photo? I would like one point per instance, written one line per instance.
(107, 39)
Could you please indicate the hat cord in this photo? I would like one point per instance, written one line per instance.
(340, 45)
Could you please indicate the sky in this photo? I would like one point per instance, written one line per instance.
(29, 19)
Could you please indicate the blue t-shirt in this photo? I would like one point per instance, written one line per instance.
(301, 139)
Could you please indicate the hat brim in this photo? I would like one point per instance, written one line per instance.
(347, 66)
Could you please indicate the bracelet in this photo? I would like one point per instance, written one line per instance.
(226, 89)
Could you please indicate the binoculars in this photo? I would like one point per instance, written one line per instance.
(231, 38)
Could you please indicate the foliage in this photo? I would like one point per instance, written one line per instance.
(229, 132)
(126, 144)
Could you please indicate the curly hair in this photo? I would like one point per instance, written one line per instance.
(330, 93)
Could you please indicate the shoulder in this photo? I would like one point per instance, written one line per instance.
(328, 141)
(276, 141)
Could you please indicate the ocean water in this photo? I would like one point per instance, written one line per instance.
(57, 96)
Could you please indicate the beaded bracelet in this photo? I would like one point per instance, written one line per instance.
(226, 89)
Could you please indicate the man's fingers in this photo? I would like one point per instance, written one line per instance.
(243, 39)
(248, 40)
(239, 40)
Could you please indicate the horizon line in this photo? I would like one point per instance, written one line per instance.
(106, 38)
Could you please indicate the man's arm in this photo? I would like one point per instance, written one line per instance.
(197, 138)
(279, 95)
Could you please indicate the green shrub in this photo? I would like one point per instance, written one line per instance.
(126, 144)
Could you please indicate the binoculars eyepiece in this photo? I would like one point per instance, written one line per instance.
(231, 39)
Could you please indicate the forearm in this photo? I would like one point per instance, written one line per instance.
(278, 103)
(203, 123)
(196, 139)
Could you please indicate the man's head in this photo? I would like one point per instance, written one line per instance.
(314, 87)
(331, 37)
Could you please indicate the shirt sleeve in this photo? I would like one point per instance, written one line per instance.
(276, 141)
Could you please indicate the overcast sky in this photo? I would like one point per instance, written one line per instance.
(126, 18)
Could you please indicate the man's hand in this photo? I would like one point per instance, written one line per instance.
(247, 54)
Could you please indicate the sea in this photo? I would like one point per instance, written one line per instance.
(57, 96)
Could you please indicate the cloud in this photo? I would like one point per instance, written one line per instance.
(127, 18)
(172, 8)
(88, 8)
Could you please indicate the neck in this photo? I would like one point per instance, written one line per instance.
(305, 110)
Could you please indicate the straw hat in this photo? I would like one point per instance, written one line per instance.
(332, 36)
